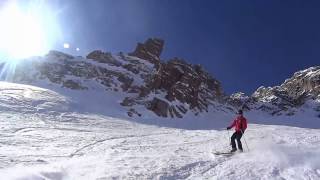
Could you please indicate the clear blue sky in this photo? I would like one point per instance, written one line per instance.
(244, 44)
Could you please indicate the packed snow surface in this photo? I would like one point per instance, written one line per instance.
(42, 137)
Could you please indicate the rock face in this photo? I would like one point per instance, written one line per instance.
(160, 107)
(292, 94)
(149, 50)
(303, 83)
(103, 57)
(240, 101)
(187, 83)
(177, 86)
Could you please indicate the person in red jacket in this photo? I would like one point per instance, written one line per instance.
(240, 125)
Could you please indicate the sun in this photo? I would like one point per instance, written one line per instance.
(23, 32)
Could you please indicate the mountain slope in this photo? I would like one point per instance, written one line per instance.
(30, 99)
(65, 144)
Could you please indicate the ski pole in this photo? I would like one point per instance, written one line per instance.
(229, 137)
(245, 140)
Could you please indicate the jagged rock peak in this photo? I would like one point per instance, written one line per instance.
(304, 85)
(103, 57)
(187, 84)
(264, 94)
(150, 50)
(305, 81)
(58, 55)
(240, 100)
(239, 95)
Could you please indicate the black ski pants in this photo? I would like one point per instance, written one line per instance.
(236, 136)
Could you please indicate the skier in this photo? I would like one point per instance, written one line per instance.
(240, 124)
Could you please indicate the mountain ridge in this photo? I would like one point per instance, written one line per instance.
(170, 88)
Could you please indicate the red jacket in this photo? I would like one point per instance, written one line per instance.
(240, 123)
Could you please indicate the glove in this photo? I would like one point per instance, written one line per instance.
(228, 128)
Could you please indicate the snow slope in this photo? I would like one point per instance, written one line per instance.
(42, 136)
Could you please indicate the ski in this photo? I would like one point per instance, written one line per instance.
(227, 153)
(223, 153)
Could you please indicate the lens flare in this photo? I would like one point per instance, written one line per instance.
(66, 45)
(21, 35)
(28, 29)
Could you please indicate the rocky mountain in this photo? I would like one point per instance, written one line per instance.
(303, 88)
(168, 88)
(172, 88)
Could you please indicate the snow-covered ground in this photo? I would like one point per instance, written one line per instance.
(42, 137)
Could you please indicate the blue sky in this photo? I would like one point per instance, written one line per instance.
(244, 44)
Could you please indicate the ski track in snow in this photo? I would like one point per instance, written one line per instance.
(57, 144)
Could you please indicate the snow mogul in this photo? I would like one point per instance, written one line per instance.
(240, 125)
